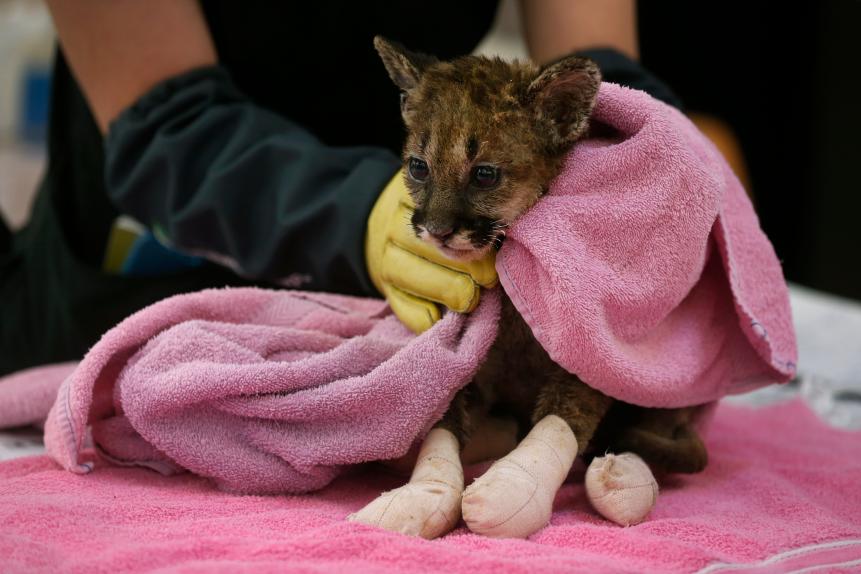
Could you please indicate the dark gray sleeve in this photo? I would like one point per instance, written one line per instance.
(215, 175)
(618, 68)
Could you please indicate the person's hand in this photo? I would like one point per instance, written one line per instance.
(412, 274)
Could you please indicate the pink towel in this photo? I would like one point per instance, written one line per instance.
(27, 396)
(263, 391)
(644, 269)
(781, 493)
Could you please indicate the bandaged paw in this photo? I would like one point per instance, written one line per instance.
(425, 508)
(514, 498)
(621, 488)
(429, 504)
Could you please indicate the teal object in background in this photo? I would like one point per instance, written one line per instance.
(148, 257)
(133, 250)
(35, 98)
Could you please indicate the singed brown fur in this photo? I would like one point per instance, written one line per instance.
(520, 119)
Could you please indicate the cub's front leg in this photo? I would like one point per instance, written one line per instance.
(429, 504)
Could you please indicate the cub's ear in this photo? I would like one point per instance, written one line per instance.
(563, 96)
(405, 68)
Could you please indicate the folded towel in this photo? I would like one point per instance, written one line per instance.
(781, 494)
(644, 269)
(263, 391)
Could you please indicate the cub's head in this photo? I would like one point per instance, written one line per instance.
(484, 139)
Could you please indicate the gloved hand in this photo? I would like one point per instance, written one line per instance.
(413, 275)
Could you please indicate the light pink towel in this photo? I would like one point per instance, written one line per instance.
(263, 391)
(781, 493)
(644, 269)
(27, 396)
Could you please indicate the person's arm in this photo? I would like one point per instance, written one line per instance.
(604, 30)
(210, 172)
(556, 28)
(214, 175)
(119, 49)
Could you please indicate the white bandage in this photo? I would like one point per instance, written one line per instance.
(621, 487)
(514, 498)
(429, 504)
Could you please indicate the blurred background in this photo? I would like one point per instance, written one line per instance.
(785, 80)
(26, 48)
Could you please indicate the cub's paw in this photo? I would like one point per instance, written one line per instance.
(507, 501)
(426, 508)
(621, 488)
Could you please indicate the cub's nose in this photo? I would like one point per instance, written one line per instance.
(440, 232)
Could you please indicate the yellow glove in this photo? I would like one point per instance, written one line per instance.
(412, 274)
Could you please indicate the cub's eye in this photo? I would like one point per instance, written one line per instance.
(418, 169)
(485, 176)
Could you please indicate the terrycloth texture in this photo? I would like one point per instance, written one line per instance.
(27, 396)
(644, 269)
(779, 480)
(263, 391)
